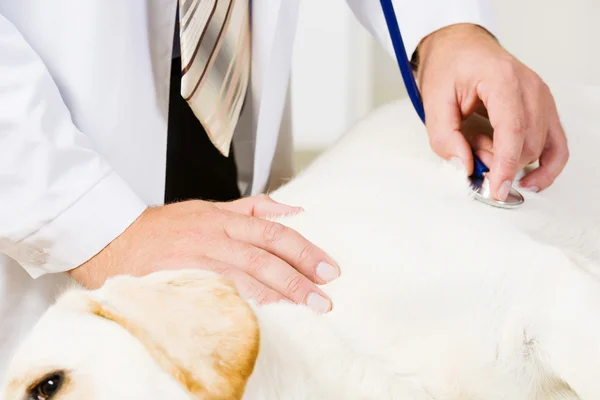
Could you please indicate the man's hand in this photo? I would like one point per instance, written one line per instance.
(463, 69)
(267, 261)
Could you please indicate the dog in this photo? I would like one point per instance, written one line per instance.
(440, 296)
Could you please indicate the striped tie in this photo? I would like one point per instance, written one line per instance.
(215, 63)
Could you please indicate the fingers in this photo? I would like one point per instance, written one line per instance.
(478, 132)
(535, 133)
(275, 274)
(248, 287)
(275, 255)
(270, 208)
(282, 259)
(443, 126)
(482, 143)
(508, 118)
(505, 164)
(486, 156)
(261, 206)
(286, 280)
(552, 161)
(286, 244)
(478, 76)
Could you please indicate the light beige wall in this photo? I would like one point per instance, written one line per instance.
(387, 82)
(559, 39)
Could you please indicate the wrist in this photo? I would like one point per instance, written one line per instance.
(73, 226)
(461, 33)
(94, 272)
(110, 260)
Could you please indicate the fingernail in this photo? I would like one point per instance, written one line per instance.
(318, 303)
(534, 189)
(327, 272)
(455, 161)
(504, 189)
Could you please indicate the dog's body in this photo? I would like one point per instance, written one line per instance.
(441, 297)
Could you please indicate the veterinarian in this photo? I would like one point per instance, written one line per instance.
(101, 139)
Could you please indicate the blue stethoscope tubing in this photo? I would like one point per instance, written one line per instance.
(407, 75)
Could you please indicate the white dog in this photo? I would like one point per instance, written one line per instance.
(441, 297)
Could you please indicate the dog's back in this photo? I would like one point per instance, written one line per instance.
(439, 294)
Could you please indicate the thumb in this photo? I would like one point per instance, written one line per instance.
(443, 124)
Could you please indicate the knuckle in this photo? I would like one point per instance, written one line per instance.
(507, 69)
(263, 197)
(547, 179)
(305, 254)
(190, 206)
(256, 261)
(518, 127)
(531, 150)
(510, 161)
(538, 84)
(263, 296)
(563, 155)
(273, 232)
(221, 269)
(548, 92)
(212, 214)
(437, 142)
(199, 235)
(294, 285)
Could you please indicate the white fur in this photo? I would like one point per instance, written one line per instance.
(441, 297)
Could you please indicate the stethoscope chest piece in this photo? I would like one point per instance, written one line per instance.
(481, 191)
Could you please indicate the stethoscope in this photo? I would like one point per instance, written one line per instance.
(479, 183)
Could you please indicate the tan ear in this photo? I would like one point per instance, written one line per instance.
(194, 324)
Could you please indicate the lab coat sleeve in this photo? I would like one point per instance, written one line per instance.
(419, 18)
(60, 202)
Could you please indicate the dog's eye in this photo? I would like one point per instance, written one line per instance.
(47, 387)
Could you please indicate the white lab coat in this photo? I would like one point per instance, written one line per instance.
(83, 123)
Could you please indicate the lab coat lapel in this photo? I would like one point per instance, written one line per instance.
(273, 31)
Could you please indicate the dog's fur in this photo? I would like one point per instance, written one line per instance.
(441, 297)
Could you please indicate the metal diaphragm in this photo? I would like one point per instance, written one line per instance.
(482, 192)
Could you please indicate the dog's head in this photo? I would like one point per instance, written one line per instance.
(169, 335)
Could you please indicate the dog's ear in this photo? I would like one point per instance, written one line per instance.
(193, 323)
